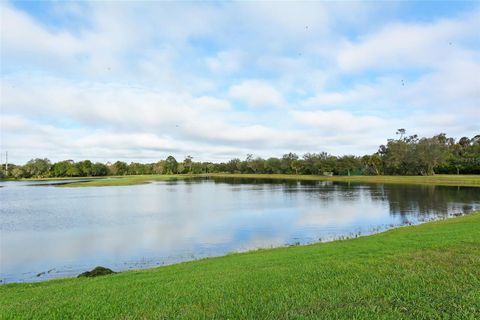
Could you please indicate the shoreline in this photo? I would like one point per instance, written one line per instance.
(435, 180)
(438, 180)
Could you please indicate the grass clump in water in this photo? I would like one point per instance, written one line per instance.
(96, 272)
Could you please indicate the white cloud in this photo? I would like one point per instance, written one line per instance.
(410, 44)
(225, 61)
(454, 85)
(141, 80)
(345, 213)
(212, 103)
(125, 121)
(21, 35)
(359, 93)
(338, 122)
(256, 93)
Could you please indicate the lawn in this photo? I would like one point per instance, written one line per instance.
(428, 271)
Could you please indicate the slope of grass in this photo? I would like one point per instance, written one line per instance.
(429, 271)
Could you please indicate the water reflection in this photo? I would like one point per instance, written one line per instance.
(56, 232)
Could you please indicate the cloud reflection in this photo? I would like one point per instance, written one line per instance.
(148, 225)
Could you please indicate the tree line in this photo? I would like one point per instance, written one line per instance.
(406, 155)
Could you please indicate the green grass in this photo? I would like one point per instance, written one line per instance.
(52, 178)
(125, 180)
(429, 271)
(443, 180)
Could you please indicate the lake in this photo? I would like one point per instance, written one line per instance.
(49, 232)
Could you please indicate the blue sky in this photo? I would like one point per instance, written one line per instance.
(137, 81)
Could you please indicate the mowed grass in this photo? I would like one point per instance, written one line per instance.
(429, 271)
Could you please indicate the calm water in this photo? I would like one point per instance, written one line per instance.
(49, 232)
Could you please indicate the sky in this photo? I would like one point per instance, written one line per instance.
(138, 81)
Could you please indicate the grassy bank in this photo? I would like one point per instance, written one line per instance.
(443, 180)
(125, 180)
(428, 271)
(52, 178)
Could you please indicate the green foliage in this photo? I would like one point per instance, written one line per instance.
(187, 165)
(273, 165)
(372, 164)
(16, 172)
(62, 168)
(119, 168)
(99, 169)
(171, 165)
(427, 156)
(233, 166)
(36, 168)
(160, 167)
(136, 168)
(85, 168)
(408, 155)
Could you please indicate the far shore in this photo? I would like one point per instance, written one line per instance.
(440, 180)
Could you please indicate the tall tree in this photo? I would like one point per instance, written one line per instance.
(37, 167)
(187, 163)
(119, 168)
(171, 165)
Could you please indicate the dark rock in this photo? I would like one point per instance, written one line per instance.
(98, 271)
